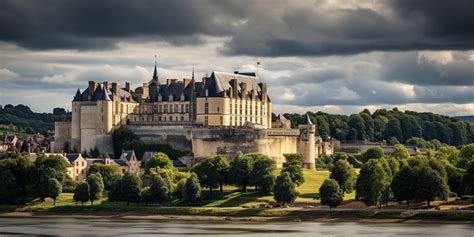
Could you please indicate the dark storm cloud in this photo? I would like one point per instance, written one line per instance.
(74, 24)
(260, 28)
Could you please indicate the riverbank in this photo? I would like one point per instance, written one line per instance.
(256, 215)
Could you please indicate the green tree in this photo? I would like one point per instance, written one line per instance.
(410, 127)
(159, 190)
(82, 193)
(294, 167)
(357, 128)
(126, 189)
(284, 191)
(330, 193)
(96, 186)
(8, 186)
(108, 173)
(145, 195)
(55, 189)
(404, 185)
(262, 172)
(468, 180)
(369, 125)
(430, 185)
(373, 153)
(400, 152)
(213, 172)
(240, 169)
(392, 129)
(345, 175)
(372, 182)
(192, 189)
(121, 137)
(160, 160)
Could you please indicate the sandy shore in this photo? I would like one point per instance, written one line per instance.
(157, 217)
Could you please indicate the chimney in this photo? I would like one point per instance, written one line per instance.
(106, 85)
(114, 88)
(170, 81)
(244, 90)
(186, 82)
(92, 86)
(145, 92)
(127, 86)
(264, 91)
(234, 85)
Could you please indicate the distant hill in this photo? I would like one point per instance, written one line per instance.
(21, 120)
(469, 118)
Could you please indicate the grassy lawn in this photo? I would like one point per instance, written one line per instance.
(231, 197)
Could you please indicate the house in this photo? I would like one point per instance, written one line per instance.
(128, 162)
(9, 143)
(77, 166)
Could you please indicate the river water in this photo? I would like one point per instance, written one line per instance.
(114, 227)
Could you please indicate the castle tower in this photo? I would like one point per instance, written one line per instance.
(306, 143)
(75, 141)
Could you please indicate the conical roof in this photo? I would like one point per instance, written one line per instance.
(307, 120)
(77, 97)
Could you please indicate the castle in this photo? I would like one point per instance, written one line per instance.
(224, 113)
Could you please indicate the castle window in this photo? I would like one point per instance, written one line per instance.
(171, 118)
(175, 108)
(182, 108)
(182, 118)
(218, 109)
(159, 118)
(206, 108)
(206, 121)
(222, 120)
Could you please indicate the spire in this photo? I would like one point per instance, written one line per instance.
(155, 73)
(77, 97)
(193, 73)
(307, 120)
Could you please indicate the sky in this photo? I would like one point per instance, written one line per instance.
(336, 56)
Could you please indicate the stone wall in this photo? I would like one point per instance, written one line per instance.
(62, 134)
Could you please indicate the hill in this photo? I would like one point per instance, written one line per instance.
(469, 118)
(21, 120)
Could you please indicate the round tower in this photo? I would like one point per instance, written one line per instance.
(75, 141)
(306, 143)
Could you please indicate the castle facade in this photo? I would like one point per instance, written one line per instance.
(222, 114)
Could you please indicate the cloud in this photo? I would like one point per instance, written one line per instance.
(257, 28)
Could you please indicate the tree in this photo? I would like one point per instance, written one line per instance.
(285, 190)
(240, 169)
(345, 175)
(262, 172)
(410, 127)
(96, 186)
(145, 195)
(294, 167)
(400, 152)
(55, 189)
(330, 193)
(159, 190)
(468, 180)
(192, 189)
(357, 126)
(392, 129)
(108, 173)
(404, 185)
(8, 186)
(371, 183)
(126, 189)
(212, 172)
(82, 193)
(373, 153)
(430, 185)
(160, 160)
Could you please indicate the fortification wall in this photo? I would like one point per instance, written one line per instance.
(207, 142)
(62, 134)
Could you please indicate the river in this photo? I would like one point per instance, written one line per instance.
(116, 227)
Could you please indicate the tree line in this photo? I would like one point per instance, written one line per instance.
(398, 176)
(389, 126)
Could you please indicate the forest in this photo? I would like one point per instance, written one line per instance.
(389, 126)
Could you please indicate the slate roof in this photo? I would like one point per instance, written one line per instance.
(219, 82)
(71, 157)
(175, 89)
(127, 155)
(102, 94)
